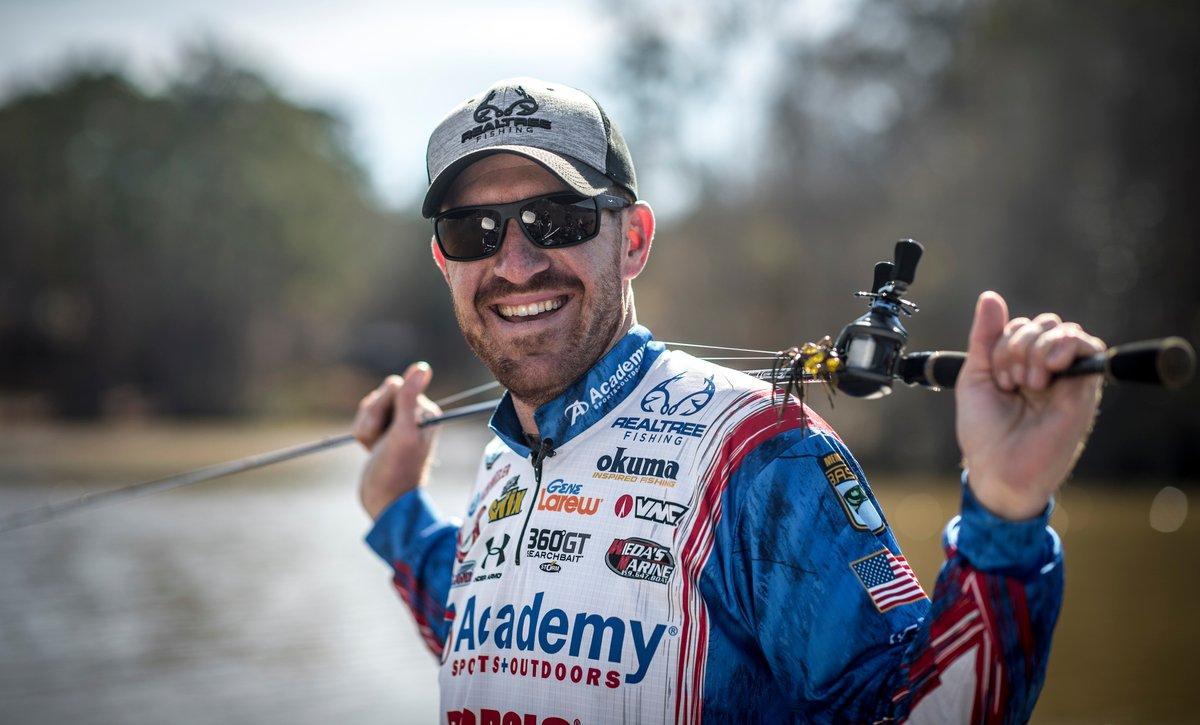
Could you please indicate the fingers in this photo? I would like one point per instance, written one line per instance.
(1030, 352)
(376, 410)
(1056, 349)
(1010, 356)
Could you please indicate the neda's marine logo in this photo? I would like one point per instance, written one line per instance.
(509, 502)
(640, 559)
(511, 116)
(859, 509)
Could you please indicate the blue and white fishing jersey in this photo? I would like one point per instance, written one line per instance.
(679, 547)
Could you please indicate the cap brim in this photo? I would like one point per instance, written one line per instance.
(571, 171)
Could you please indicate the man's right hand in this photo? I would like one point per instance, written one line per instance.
(386, 425)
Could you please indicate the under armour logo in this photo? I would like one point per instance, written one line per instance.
(496, 551)
(575, 410)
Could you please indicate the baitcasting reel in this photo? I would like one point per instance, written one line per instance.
(870, 351)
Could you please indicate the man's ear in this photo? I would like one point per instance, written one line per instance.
(639, 234)
(438, 258)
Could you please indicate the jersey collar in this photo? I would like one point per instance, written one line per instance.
(588, 399)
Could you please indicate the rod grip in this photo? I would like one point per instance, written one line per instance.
(1169, 362)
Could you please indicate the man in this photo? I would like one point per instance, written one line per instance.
(649, 540)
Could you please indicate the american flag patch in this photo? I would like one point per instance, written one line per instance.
(888, 579)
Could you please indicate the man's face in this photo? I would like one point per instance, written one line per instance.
(538, 318)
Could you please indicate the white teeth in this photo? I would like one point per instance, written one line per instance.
(527, 310)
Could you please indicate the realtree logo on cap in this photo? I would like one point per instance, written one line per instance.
(493, 119)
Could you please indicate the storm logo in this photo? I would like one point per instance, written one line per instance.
(661, 400)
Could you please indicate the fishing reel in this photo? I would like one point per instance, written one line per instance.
(872, 347)
(868, 355)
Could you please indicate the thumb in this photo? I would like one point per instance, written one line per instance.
(404, 405)
(991, 315)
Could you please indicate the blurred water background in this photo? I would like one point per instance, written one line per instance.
(210, 246)
(255, 600)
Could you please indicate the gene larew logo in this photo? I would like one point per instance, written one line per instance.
(636, 468)
(502, 115)
(640, 559)
(564, 497)
(507, 630)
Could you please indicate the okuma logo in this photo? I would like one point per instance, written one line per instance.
(574, 410)
(620, 464)
(672, 398)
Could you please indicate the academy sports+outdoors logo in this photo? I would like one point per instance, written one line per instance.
(606, 391)
(511, 628)
(575, 410)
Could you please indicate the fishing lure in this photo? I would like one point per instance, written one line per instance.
(812, 362)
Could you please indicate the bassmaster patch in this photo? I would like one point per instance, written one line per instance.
(860, 510)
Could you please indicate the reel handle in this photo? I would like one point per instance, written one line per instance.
(1169, 362)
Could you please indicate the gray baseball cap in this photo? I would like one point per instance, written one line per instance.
(559, 127)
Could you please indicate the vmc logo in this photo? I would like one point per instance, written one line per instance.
(650, 509)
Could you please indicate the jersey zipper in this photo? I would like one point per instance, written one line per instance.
(537, 456)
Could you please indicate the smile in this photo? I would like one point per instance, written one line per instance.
(530, 310)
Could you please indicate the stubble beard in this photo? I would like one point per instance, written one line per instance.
(599, 319)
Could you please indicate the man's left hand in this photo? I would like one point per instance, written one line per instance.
(1020, 434)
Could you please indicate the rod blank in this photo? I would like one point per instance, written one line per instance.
(97, 499)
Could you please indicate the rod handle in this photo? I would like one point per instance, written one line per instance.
(1168, 361)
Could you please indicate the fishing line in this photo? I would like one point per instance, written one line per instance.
(772, 353)
(98, 499)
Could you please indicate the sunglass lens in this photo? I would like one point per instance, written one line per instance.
(470, 233)
(560, 220)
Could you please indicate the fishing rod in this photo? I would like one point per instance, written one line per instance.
(867, 358)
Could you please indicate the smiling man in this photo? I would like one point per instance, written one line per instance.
(649, 539)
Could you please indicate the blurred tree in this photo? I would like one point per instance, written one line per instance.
(1043, 150)
(184, 245)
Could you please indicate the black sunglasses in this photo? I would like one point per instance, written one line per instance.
(561, 219)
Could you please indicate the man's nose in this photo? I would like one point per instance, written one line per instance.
(518, 259)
